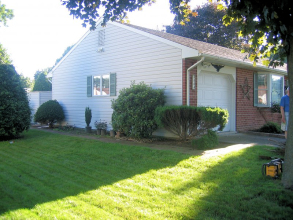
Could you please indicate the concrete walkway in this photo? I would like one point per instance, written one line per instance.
(236, 141)
(253, 138)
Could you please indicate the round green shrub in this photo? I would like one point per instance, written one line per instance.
(15, 112)
(271, 127)
(49, 112)
(134, 110)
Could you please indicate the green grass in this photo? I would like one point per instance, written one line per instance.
(51, 176)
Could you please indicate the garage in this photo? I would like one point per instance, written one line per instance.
(216, 90)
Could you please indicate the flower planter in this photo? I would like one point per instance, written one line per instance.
(103, 132)
(112, 133)
(98, 131)
(88, 129)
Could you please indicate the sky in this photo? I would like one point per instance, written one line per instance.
(42, 29)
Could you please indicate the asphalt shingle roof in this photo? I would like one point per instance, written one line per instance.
(202, 47)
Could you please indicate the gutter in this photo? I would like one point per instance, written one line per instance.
(187, 81)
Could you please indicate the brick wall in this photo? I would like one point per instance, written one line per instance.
(186, 63)
(249, 117)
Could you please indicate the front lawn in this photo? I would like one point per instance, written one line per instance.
(52, 176)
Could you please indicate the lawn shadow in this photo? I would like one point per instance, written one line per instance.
(238, 190)
(45, 167)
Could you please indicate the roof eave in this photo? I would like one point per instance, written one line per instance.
(240, 64)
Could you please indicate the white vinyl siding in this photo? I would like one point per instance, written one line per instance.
(132, 56)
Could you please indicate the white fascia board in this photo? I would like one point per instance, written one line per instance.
(186, 51)
(242, 64)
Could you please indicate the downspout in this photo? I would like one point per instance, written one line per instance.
(187, 81)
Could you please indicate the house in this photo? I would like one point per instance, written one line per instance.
(192, 72)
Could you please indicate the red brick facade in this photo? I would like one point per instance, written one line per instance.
(248, 117)
(186, 63)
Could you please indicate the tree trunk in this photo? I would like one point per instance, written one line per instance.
(287, 176)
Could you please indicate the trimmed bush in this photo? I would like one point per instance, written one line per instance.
(271, 127)
(49, 112)
(207, 141)
(88, 116)
(15, 112)
(134, 110)
(189, 121)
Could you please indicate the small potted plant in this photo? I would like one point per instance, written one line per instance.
(101, 127)
(88, 118)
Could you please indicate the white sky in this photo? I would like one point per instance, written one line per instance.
(42, 29)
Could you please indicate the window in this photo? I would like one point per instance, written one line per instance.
(268, 89)
(101, 85)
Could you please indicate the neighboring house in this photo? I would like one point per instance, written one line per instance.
(192, 72)
(37, 98)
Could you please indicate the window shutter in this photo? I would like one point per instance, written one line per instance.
(112, 84)
(89, 86)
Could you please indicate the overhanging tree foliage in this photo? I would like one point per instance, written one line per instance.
(208, 27)
(5, 14)
(270, 26)
(88, 10)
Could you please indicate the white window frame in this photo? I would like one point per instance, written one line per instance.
(101, 85)
(269, 89)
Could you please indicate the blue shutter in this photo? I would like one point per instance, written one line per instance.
(89, 86)
(112, 84)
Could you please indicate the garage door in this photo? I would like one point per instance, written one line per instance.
(215, 90)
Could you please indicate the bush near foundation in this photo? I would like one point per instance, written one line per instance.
(188, 121)
(15, 112)
(271, 127)
(134, 110)
(207, 141)
(49, 112)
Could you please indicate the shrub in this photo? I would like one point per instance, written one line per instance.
(15, 112)
(271, 127)
(49, 112)
(207, 141)
(101, 125)
(88, 116)
(134, 110)
(189, 121)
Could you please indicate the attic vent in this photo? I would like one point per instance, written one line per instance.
(101, 40)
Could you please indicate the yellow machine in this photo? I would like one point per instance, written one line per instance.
(273, 168)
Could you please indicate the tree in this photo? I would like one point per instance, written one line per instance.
(270, 25)
(41, 81)
(14, 109)
(63, 55)
(4, 57)
(208, 27)
(88, 10)
(25, 81)
(5, 14)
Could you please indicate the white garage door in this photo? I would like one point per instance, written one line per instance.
(215, 90)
